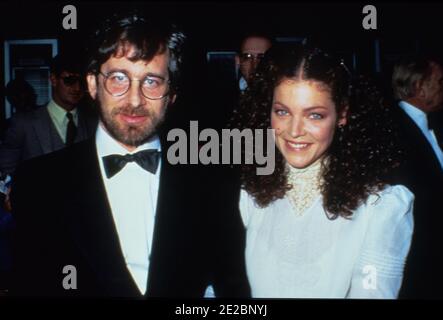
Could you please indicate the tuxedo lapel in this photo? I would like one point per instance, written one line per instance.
(176, 268)
(158, 248)
(92, 225)
(86, 126)
(82, 132)
(414, 140)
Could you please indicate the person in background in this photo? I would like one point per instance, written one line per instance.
(21, 95)
(253, 46)
(22, 98)
(417, 83)
(60, 123)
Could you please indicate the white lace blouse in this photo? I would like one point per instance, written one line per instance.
(311, 256)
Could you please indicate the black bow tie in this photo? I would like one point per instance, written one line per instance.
(147, 159)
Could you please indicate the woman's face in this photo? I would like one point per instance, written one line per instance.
(304, 118)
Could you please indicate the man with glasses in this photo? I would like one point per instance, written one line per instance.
(126, 223)
(57, 125)
(252, 49)
(228, 86)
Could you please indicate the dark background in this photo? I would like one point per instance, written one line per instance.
(215, 26)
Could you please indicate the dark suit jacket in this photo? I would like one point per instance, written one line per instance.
(422, 174)
(29, 136)
(66, 220)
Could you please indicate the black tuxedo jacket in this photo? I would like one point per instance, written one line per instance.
(63, 218)
(422, 174)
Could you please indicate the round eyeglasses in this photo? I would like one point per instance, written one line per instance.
(153, 87)
(247, 57)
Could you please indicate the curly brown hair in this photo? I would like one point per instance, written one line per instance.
(362, 152)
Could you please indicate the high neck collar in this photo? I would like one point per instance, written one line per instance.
(313, 170)
(306, 184)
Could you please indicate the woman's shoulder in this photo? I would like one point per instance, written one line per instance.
(250, 209)
(391, 195)
(388, 206)
(246, 206)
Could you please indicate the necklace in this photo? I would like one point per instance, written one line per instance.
(305, 186)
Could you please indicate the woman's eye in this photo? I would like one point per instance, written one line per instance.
(316, 116)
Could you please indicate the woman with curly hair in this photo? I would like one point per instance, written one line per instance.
(325, 224)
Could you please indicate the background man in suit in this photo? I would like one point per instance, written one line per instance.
(60, 123)
(418, 85)
(130, 223)
(252, 48)
(227, 84)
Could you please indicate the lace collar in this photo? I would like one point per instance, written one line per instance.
(305, 186)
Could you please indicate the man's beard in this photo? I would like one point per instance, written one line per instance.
(131, 135)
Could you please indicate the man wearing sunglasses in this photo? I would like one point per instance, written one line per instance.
(60, 123)
(252, 49)
(129, 222)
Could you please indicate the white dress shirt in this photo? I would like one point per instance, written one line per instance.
(311, 256)
(421, 120)
(242, 84)
(59, 118)
(132, 194)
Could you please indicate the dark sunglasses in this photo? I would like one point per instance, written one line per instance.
(71, 80)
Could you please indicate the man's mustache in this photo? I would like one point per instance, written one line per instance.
(131, 111)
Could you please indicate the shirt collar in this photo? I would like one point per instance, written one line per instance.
(419, 117)
(242, 84)
(107, 145)
(58, 112)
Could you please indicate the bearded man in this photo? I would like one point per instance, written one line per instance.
(120, 221)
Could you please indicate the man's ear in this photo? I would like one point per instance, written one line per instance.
(173, 97)
(237, 60)
(53, 79)
(91, 80)
(420, 89)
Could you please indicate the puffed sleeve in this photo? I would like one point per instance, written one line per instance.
(378, 272)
